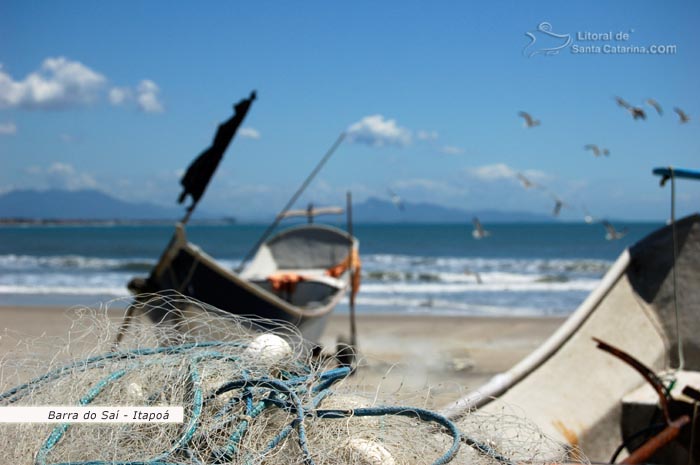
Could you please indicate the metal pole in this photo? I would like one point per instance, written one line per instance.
(291, 201)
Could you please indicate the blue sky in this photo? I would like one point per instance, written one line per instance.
(121, 96)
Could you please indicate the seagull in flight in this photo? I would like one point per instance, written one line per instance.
(530, 122)
(396, 200)
(636, 112)
(558, 204)
(527, 184)
(479, 231)
(623, 103)
(684, 118)
(612, 234)
(596, 150)
(655, 104)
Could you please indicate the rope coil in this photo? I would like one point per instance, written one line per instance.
(246, 401)
(284, 393)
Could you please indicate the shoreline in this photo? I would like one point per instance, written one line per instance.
(429, 359)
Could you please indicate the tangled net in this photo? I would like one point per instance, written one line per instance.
(249, 397)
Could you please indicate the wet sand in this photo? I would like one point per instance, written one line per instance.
(430, 360)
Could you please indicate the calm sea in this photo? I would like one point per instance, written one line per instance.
(521, 269)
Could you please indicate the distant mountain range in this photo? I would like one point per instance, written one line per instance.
(374, 210)
(56, 204)
(94, 205)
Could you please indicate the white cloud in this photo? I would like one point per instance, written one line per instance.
(452, 150)
(499, 171)
(62, 176)
(426, 135)
(249, 133)
(59, 83)
(62, 83)
(147, 97)
(144, 96)
(8, 129)
(376, 131)
(431, 189)
(119, 95)
(536, 175)
(492, 172)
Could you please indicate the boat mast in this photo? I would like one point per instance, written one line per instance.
(353, 270)
(291, 201)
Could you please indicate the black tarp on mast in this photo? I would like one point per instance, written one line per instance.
(199, 173)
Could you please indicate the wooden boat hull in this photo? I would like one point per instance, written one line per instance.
(187, 270)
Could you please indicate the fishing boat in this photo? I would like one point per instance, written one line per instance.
(638, 397)
(296, 276)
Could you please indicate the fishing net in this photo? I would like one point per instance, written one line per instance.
(252, 393)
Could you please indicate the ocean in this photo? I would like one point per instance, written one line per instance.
(519, 270)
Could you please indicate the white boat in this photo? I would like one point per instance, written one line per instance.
(592, 401)
(298, 276)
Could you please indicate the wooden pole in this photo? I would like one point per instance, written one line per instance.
(353, 328)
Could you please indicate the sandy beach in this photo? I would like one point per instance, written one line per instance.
(430, 360)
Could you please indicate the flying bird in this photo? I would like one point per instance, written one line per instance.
(396, 200)
(479, 230)
(655, 104)
(637, 113)
(558, 204)
(529, 120)
(684, 118)
(612, 234)
(525, 181)
(597, 150)
(621, 102)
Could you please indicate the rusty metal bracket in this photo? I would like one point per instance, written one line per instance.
(673, 428)
(646, 372)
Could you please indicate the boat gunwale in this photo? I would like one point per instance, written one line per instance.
(181, 243)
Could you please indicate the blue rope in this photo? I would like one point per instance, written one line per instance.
(100, 361)
(190, 429)
(60, 430)
(256, 396)
(421, 414)
(197, 401)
